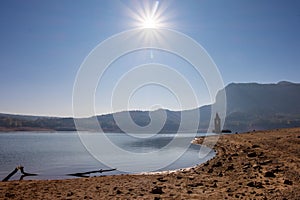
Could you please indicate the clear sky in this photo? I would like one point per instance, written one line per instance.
(43, 43)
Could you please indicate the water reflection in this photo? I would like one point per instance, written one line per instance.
(53, 155)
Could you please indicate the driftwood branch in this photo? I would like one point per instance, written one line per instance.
(86, 174)
(24, 174)
(10, 174)
(21, 168)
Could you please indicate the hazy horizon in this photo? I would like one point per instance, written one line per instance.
(100, 114)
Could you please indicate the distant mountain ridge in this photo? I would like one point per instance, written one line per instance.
(262, 106)
(263, 98)
(249, 106)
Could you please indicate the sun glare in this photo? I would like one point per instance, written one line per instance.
(148, 15)
(150, 23)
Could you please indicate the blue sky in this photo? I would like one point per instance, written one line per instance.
(43, 44)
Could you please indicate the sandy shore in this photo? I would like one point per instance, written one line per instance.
(259, 165)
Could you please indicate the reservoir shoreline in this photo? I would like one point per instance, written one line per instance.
(260, 165)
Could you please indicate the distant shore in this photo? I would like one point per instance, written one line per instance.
(260, 165)
(24, 129)
(36, 129)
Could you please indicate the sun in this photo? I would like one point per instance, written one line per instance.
(148, 15)
(150, 23)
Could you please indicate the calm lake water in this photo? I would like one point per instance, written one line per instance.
(54, 155)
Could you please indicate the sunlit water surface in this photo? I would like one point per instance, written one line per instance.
(54, 155)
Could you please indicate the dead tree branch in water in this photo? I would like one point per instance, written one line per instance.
(21, 168)
(86, 174)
